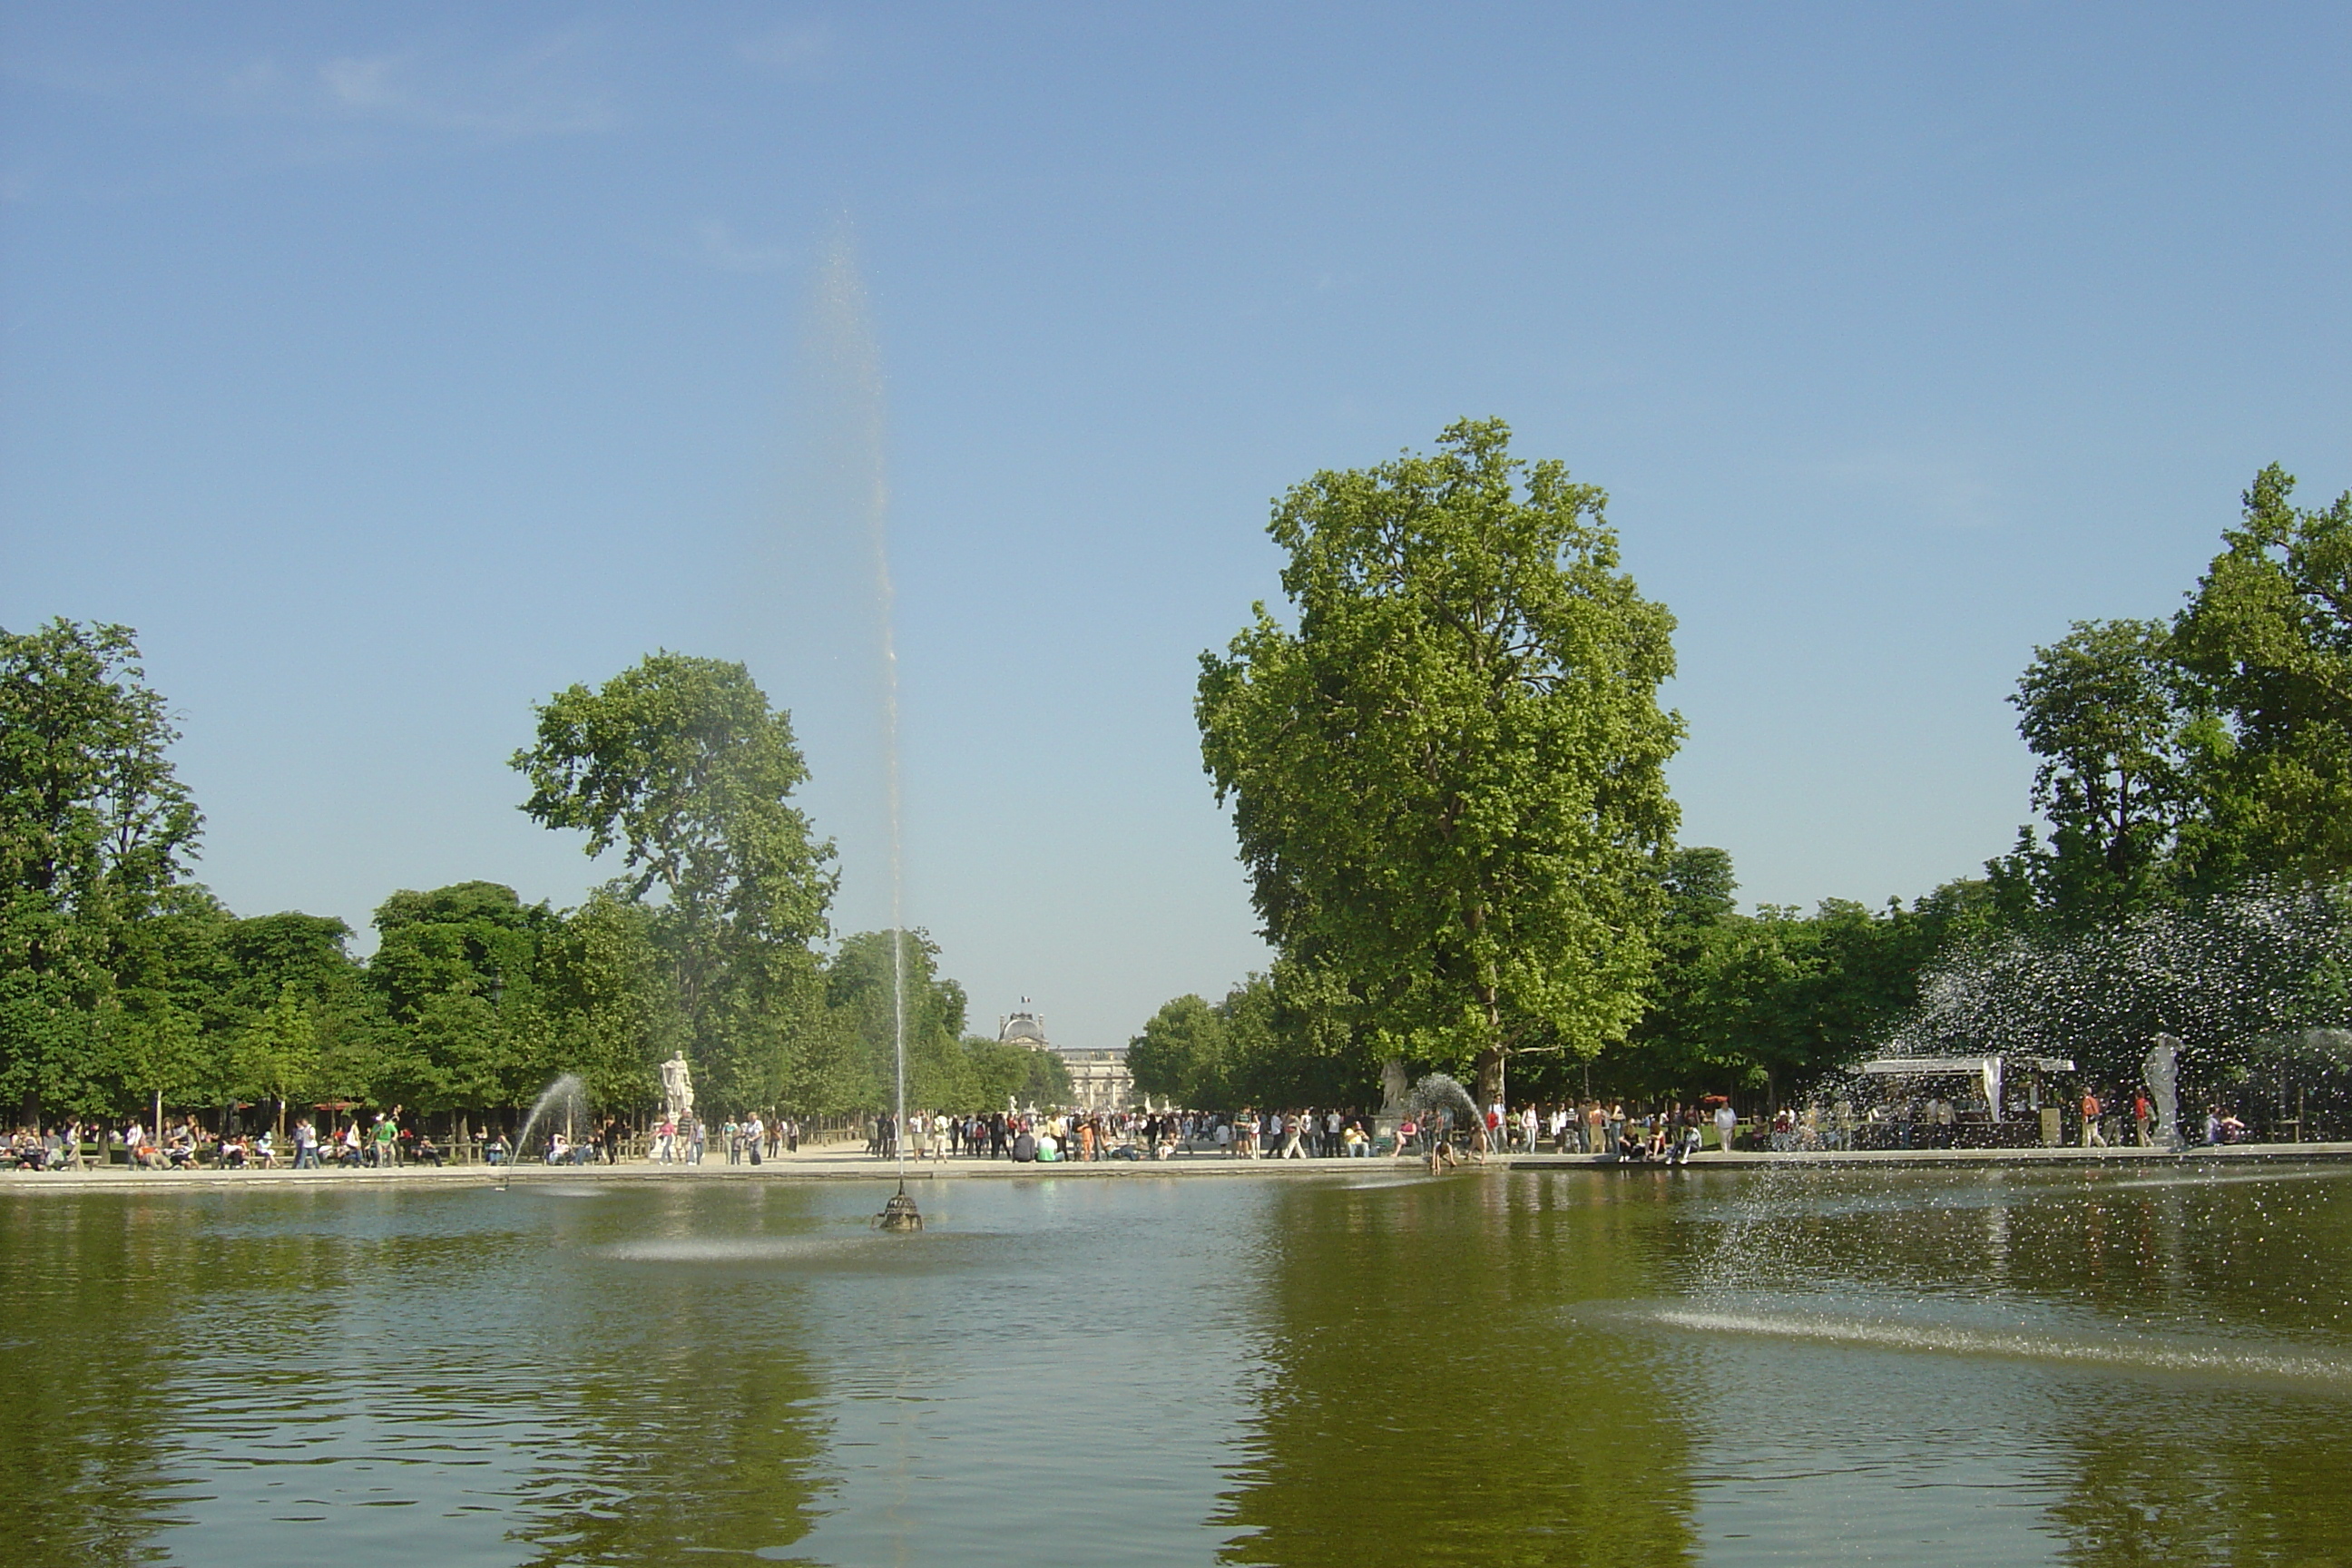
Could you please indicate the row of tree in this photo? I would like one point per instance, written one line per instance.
(123, 980)
(1446, 765)
(1446, 770)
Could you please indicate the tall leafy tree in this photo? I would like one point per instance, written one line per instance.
(2121, 731)
(95, 832)
(680, 763)
(2270, 629)
(1447, 778)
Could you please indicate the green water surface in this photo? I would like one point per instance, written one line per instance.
(1360, 1367)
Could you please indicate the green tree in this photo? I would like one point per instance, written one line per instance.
(1448, 778)
(276, 1056)
(680, 763)
(458, 970)
(2121, 731)
(1181, 1055)
(1765, 1002)
(95, 832)
(604, 983)
(860, 983)
(2269, 627)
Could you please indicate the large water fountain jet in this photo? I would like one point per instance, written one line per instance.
(847, 329)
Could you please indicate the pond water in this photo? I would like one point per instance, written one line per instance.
(1535, 1367)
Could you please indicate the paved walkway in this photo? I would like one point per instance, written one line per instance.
(838, 1164)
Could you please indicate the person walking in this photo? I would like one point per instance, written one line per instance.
(1726, 1126)
(2092, 1137)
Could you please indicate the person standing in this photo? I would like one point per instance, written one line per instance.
(2142, 1113)
(306, 1145)
(2092, 1137)
(1726, 1126)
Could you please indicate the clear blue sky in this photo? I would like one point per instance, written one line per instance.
(391, 367)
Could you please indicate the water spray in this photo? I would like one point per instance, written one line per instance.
(841, 299)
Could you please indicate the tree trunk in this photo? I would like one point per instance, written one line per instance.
(1491, 1083)
(1490, 1078)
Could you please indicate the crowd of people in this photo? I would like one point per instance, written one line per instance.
(1671, 1133)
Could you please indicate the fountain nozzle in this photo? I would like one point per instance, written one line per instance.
(899, 1213)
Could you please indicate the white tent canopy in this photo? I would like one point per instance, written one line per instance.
(1989, 1071)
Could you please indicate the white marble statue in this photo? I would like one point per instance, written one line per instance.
(677, 1090)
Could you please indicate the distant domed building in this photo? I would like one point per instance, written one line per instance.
(1098, 1078)
(1023, 1029)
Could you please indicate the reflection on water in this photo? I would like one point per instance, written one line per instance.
(1422, 1401)
(1558, 1367)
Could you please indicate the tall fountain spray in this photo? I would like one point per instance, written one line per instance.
(846, 326)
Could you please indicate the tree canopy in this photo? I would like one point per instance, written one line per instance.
(681, 764)
(1448, 777)
(96, 832)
